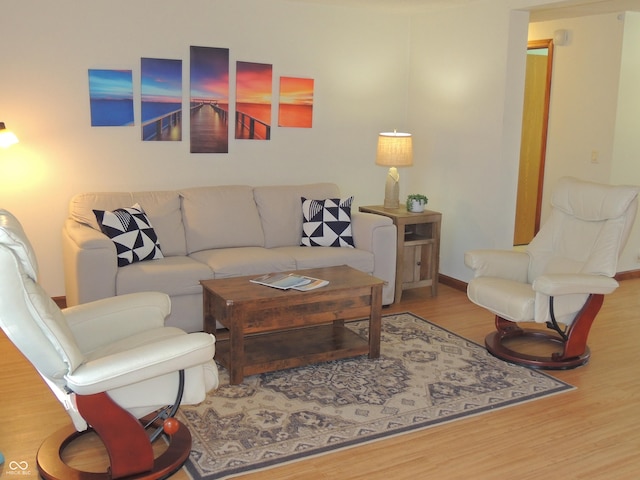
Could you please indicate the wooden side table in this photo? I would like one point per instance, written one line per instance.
(418, 247)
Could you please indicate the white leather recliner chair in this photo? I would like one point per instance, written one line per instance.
(560, 280)
(112, 363)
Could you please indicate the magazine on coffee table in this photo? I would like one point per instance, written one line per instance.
(286, 281)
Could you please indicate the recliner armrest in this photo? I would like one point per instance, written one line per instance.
(104, 321)
(159, 357)
(579, 283)
(507, 264)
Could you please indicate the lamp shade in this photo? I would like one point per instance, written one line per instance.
(394, 150)
(7, 137)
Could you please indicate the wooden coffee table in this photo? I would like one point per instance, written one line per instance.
(268, 329)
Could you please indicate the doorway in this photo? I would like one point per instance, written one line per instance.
(535, 118)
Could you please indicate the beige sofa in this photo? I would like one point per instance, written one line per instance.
(213, 232)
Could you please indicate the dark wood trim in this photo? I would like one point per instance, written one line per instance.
(60, 301)
(628, 275)
(452, 282)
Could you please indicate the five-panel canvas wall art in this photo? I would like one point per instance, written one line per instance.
(211, 116)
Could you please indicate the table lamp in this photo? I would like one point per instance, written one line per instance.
(7, 137)
(394, 150)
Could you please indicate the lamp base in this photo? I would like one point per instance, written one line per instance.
(392, 189)
(391, 205)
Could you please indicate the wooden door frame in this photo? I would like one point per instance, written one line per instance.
(531, 45)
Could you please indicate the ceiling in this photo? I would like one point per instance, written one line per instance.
(568, 8)
(391, 4)
(580, 8)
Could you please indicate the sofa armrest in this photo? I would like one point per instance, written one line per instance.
(377, 234)
(363, 226)
(85, 251)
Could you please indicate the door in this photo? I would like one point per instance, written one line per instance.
(535, 118)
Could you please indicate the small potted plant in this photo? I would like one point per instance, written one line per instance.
(416, 202)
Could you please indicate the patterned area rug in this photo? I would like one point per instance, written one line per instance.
(425, 376)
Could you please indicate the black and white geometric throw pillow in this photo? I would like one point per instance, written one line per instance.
(327, 223)
(131, 232)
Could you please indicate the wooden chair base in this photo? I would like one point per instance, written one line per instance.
(495, 343)
(573, 350)
(52, 467)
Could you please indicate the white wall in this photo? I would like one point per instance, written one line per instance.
(584, 91)
(464, 68)
(595, 101)
(466, 92)
(358, 60)
(626, 143)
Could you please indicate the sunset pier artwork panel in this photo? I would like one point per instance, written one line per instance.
(296, 102)
(254, 83)
(161, 93)
(209, 102)
(111, 98)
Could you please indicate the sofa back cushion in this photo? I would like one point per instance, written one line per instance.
(221, 217)
(162, 208)
(280, 210)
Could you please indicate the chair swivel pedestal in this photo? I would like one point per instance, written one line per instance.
(126, 440)
(573, 349)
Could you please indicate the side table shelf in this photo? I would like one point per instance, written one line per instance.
(418, 247)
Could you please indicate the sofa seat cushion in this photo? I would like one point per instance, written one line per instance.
(318, 257)
(179, 275)
(235, 262)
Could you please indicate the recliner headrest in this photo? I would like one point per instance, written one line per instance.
(592, 201)
(12, 236)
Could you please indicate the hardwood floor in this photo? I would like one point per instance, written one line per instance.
(592, 432)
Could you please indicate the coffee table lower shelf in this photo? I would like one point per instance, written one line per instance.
(266, 352)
